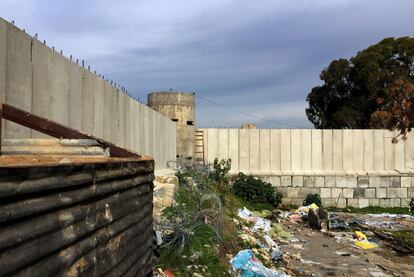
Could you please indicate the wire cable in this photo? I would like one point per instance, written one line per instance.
(244, 113)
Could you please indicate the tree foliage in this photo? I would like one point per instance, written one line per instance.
(367, 90)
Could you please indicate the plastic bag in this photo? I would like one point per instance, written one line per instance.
(250, 266)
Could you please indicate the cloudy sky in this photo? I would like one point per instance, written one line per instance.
(259, 57)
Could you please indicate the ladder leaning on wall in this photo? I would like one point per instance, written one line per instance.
(199, 147)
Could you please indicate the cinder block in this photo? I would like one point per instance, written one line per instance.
(405, 182)
(405, 202)
(286, 181)
(363, 182)
(330, 181)
(410, 192)
(395, 182)
(347, 193)
(309, 181)
(392, 192)
(341, 203)
(325, 193)
(402, 192)
(385, 203)
(374, 202)
(297, 201)
(363, 202)
(319, 181)
(297, 181)
(336, 192)
(329, 202)
(359, 193)
(303, 192)
(378, 182)
(352, 203)
(286, 201)
(395, 202)
(381, 192)
(370, 193)
(275, 181)
(292, 192)
(346, 182)
(283, 190)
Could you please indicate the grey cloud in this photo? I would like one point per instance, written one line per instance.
(261, 57)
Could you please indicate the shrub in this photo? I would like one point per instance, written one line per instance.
(312, 198)
(255, 190)
(221, 169)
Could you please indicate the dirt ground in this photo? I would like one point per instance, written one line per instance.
(332, 253)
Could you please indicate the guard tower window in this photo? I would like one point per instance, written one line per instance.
(174, 119)
(190, 122)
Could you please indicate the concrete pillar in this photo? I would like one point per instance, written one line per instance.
(285, 150)
(88, 101)
(337, 150)
(100, 115)
(348, 150)
(275, 151)
(42, 83)
(358, 151)
(75, 97)
(379, 151)
(316, 150)
(265, 151)
(223, 144)
(306, 136)
(296, 150)
(105, 94)
(234, 149)
(254, 151)
(389, 152)
(327, 151)
(369, 151)
(19, 78)
(244, 149)
(60, 88)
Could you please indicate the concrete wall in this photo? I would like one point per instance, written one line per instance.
(358, 167)
(40, 80)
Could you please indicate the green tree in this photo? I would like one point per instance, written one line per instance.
(351, 88)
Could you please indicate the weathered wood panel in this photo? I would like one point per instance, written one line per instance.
(77, 220)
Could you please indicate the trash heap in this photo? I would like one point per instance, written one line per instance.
(257, 232)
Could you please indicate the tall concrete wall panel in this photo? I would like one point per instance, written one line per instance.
(37, 79)
(75, 97)
(18, 77)
(42, 82)
(3, 59)
(60, 88)
(234, 149)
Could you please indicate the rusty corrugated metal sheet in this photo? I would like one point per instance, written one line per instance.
(77, 219)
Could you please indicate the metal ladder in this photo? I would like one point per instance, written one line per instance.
(199, 147)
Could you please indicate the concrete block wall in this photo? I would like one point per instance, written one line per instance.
(346, 167)
(40, 80)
